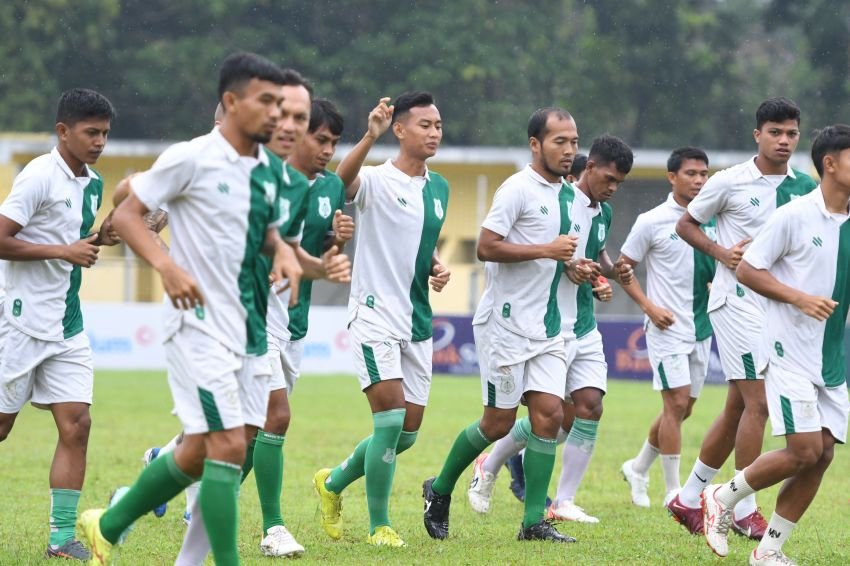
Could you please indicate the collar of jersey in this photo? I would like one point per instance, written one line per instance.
(671, 202)
(401, 175)
(751, 167)
(817, 197)
(90, 174)
(230, 151)
(584, 200)
(539, 178)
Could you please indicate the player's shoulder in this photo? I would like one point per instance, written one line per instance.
(803, 179)
(607, 211)
(42, 167)
(437, 179)
(740, 173)
(297, 179)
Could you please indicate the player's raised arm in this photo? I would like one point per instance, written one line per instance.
(348, 170)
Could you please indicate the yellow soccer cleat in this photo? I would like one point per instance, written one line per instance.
(385, 536)
(330, 505)
(89, 526)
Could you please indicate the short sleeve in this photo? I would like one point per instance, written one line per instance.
(367, 178)
(639, 240)
(505, 211)
(28, 194)
(711, 199)
(170, 175)
(295, 231)
(772, 242)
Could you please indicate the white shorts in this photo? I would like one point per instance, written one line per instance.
(738, 334)
(214, 388)
(44, 372)
(512, 364)
(670, 371)
(285, 360)
(379, 358)
(588, 367)
(796, 404)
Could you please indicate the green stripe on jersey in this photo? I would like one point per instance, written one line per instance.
(791, 187)
(435, 198)
(832, 351)
(704, 268)
(72, 322)
(552, 318)
(599, 229)
(293, 201)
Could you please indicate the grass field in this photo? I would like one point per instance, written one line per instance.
(330, 415)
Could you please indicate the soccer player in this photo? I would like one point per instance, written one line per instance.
(741, 198)
(609, 162)
(799, 262)
(517, 325)
(402, 206)
(678, 332)
(216, 336)
(45, 233)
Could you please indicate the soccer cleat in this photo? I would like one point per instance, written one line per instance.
(668, 497)
(89, 526)
(688, 517)
(770, 558)
(514, 466)
(716, 520)
(569, 511)
(542, 531)
(638, 484)
(481, 487)
(150, 455)
(385, 536)
(280, 542)
(753, 526)
(73, 550)
(436, 515)
(330, 505)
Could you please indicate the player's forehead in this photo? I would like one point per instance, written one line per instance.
(324, 131)
(558, 126)
(296, 97)
(692, 164)
(259, 87)
(428, 113)
(92, 123)
(789, 125)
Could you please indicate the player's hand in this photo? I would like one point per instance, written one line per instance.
(343, 226)
(337, 266)
(602, 290)
(380, 118)
(732, 256)
(623, 272)
(660, 317)
(286, 271)
(582, 269)
(108, 236)
(440, 276)
(562, 248)
(82, 252)
(181, 287)
(818, 308)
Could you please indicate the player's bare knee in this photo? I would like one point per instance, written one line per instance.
(7, 421)
(496, 424)
(227, 446)
(75, 431)
(806, 456)
(277, 420)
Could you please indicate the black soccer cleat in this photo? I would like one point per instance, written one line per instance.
(542, 531)
(436, 515)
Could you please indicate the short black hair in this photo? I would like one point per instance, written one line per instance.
(239, 68)
(80, 104)
(607, 149)
(291, 77)
(674, 162)
(777, 109)
(411, 99)
(830, 140)
(579, 163)
(324, 113)
(537, 122)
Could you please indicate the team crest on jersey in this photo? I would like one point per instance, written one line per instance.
(284, 209)
(601, 233)
(324, 207)
(93, 204)
(269, 189)
(438, 208)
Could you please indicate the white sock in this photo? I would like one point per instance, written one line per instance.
(172, 444)
(504, 448)
(731, 493)
(746, 506)
(196, 544)
(576, 457)
(700, 476)
(670, 467)
(192, 496)
(643, 461)
(778, 530)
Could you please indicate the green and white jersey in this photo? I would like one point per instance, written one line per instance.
(326, 196)
(220, 205)
(806, 247)
(293, 209)
(677, 275)
(399, 222)
(521, 296)
(591, 225)
(742, 199)
(54, 206)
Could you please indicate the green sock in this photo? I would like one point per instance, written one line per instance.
(539, 462)
(380, 465)
(268, 471)
(405, 441)
(63, 515)
(218, 499)
(468, 445)
(248, 465)
(160, 481)
(352, 468)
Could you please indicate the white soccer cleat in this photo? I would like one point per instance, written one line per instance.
(569, 512)
(481, 487)
(716, 520)
(280, 542)
(770, 558)
(638, 484)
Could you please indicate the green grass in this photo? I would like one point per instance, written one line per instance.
(330, 415)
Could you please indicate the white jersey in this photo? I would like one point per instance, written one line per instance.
(808, 248)
(522, 296)
(677, 275)
(220, 205)
(399, 222)
(3, 264)
(56, 207)
(742, 199)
